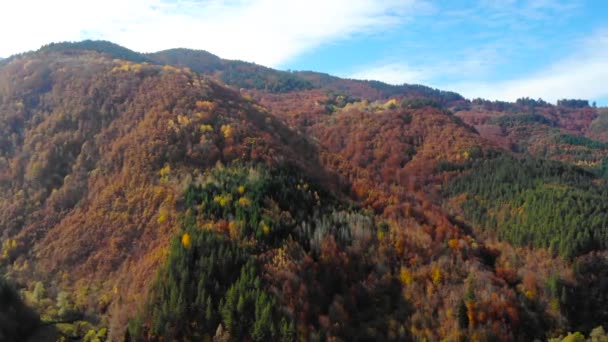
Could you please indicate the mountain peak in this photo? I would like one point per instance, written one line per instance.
(102, 46)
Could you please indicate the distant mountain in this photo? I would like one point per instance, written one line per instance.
(252, 76)
(541, 129)
(101, 46)
(180, 196)
(198, 60)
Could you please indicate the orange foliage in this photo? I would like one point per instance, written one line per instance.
(471, 312)
(97, 206)
(454, 244)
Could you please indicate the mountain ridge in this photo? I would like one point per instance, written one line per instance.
(202, 61)
(207, 64)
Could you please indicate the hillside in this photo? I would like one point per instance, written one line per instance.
(84, 140)
(569, 133)
(177, 195)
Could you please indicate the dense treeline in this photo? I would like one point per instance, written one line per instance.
(206, 281)
(526, 101)
(419, 103)
(578, 140)
(536, 202)
(573, 103)
(513, 120)
(218, 279)
(375, 90)
(247, 75)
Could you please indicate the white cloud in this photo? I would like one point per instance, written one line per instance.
(583, 74)
(460, 65)
(580, 75)
(393, 73)
(268, 32)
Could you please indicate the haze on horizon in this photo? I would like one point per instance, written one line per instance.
(499, 50)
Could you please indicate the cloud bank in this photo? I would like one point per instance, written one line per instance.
(582, 74)
(268, 32)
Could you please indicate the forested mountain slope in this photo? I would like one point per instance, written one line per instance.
(87, 145)
(177, 195)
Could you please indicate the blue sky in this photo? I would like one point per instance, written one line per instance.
(495, 49)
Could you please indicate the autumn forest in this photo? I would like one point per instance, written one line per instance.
(179, 196)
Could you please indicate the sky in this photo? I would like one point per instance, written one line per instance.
(493, 49)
